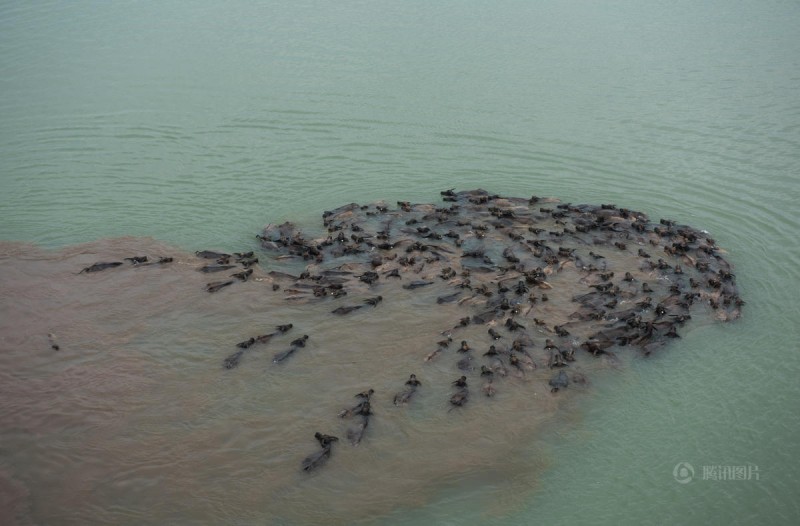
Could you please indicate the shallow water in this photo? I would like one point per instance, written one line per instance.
(199, 126)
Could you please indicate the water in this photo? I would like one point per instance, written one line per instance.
(198, 126)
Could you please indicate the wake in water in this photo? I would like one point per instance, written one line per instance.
(459, 328)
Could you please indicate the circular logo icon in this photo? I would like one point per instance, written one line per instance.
(683, 472)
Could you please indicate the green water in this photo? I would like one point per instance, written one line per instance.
(198, 124)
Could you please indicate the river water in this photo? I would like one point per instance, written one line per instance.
(163, 129)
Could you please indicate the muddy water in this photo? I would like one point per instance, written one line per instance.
(133, 419)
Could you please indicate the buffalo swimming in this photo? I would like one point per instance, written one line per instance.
(531, 279)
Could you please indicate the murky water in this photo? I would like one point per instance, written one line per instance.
(135, 409)
(124, 387)
(192, 128)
